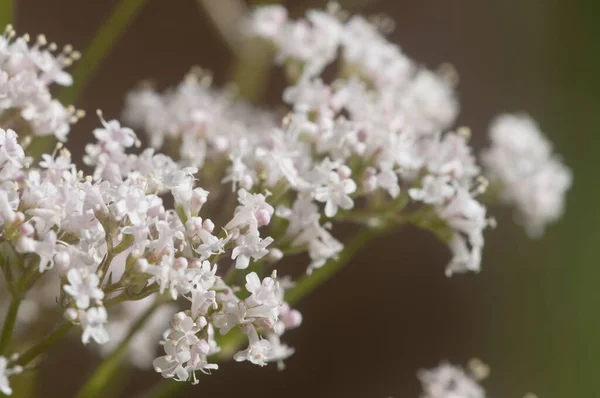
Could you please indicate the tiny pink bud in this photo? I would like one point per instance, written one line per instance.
(263, 217)
(208, 225)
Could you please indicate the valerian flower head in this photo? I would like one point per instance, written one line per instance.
(527, 174)
(449, 381)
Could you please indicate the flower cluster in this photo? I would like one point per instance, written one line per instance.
(26, 72)
(197, 229)
(108, 238)
(449, 381)
(356, 138)
(521, 162)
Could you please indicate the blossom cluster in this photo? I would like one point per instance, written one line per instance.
(520, 161)
(449, 381)
(26, 73)
(190, 229)
(356, 138)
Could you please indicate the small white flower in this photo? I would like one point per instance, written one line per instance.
(250, 246)
(448, 381)
(258, 351)
(93, 323)
(113, 136)
(336, 193)
(83, 287)
(5, 373)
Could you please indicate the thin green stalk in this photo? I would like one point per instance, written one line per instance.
(308, 283)
(7, 9)
(108, 369)
(9, 323)
(43, 345)
(103, 42)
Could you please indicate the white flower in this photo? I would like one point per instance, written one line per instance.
(279, 352)
(463, 258)
(5, 373)
(521, 163)
(83, 287)
(435, 190)
(429, 104)
(132, 202)
(113, 136)
(267, 21)
(335, 192)
(249, 246)
(258, 351)
(253, 211)
(172, 364)
(10, 150)
(264, 301)
(448, 381)
(93, 323)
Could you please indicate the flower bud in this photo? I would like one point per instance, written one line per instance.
(208, 225)
(180, 263)
(62, 260)
(263, 217)
(344, 172)
(71, 314)
(141, 265)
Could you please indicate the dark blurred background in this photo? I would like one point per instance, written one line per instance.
(531, 313)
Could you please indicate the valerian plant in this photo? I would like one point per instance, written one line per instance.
(182, 245)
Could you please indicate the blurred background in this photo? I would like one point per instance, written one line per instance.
(531, 313)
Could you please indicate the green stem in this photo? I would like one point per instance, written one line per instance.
(9, 323)
(104, 41)
(7, 9)
(107, 371)
(43, 345)
(308, 283)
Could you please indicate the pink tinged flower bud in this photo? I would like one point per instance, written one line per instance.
(292, 319)
(62, 260)
(344, 172)
(71, 314)
(180, 263)
(263, 217)
(208, 225)
(26, 229)
(194, 263)
(141, 265)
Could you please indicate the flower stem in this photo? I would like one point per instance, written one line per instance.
(9, 323)
(308, 283)
(43, 345)
(108, 369)
(104, 41)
